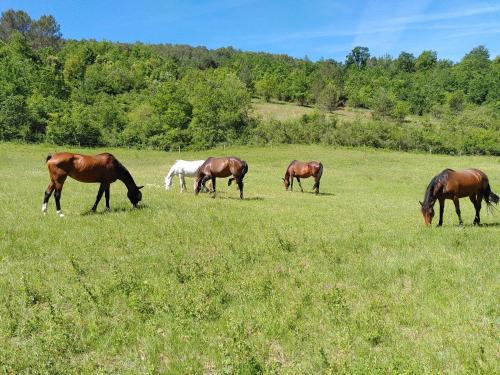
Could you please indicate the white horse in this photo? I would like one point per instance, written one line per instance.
(182, 168)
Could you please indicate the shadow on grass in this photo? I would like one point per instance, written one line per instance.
(244, 199)
(114, 210)
(469, 225)
(483, 225)
(312, 192)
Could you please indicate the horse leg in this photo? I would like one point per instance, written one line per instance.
(457, 210)
(476, 201)
(57, 195)
(213, 186)
(46, 197)
(98, 198)
(316, 185)
(291, 181)
(441, 212)
(300, 185)
(106, 192)
(182, 181)
(239, 181)
(202, 179)
(204, 184)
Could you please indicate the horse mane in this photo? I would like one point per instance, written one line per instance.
(429, 192)
(124, 174)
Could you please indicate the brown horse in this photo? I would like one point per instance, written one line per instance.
(103, 168)
(450, 184)
(300, 170)
(222, 167)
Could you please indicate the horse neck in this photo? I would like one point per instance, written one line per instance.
(168, 178)
(287, 175)
(430, 198)
(124, 176)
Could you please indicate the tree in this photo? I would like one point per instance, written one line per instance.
(267, 86)
(406, 62)
(44, 32)
(358, 57)
(456, 101)
(426, 60)
(383, 103)
(329, 97)
(473, 75)
(14, 21)
(299, 86)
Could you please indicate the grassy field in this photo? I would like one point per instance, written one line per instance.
(284, 111)
(349, 281)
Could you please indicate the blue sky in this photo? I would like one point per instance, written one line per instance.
(315, 28)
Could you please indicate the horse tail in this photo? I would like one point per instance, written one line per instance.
(49, 156)
(244, 170)
(318, 177)
(490, 197)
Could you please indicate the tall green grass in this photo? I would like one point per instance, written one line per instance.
(349, 281)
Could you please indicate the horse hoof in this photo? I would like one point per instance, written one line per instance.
(60, 214)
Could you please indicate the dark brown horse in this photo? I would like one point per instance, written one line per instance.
(450, 184)
(103, 168)
(222, 167)
(300, 170)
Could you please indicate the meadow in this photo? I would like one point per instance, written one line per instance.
(350, 281)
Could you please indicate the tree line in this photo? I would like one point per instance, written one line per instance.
(165, 96)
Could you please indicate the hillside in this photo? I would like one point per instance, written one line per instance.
(166, 97)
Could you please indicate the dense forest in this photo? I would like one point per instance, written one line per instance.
(165, 96)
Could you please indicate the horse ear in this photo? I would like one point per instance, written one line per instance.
(421, 203)
(140, 187)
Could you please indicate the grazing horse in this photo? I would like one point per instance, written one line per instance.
(103, 168)
(183, 168)
(222, 167)
(450, 184)
(300, 170)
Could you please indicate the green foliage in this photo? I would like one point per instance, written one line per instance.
(41, 33)
(167, 96)
(406, 62)
(456, 101)
(358, 57)
(426, 60)
(329, 96)
(401, 110)
(220, 105)
(76, 125)
(383, 103)
(267, 86)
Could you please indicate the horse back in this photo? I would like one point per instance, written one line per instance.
(304, 170)
(84, 168)
(465, 182)
(222, 167)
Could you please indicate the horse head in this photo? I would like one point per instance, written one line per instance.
(135, 195)
(286, 182)
(427, 212)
